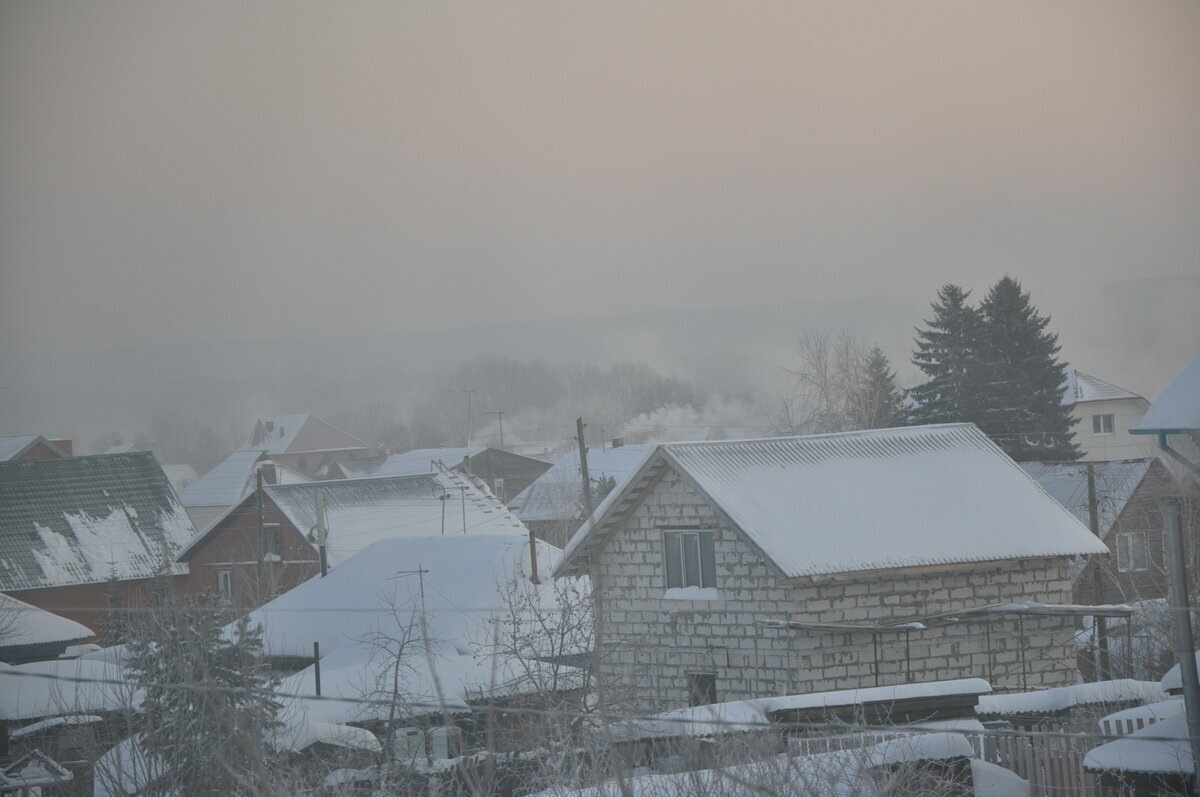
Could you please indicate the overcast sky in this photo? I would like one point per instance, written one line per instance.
(225, 170)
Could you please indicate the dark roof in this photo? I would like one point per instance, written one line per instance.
(82, 520)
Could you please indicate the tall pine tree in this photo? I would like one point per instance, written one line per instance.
(878, 401)
(1022, 409)
(947, 353)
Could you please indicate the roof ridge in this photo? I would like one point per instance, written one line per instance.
(822, 435)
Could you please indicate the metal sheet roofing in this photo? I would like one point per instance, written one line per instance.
(1177, 410)
(421, 460)
(81, 520)
(232, 480)
(872, 500)
(1078, 386)
(1067, 483)
(557, 493)
(362, 511)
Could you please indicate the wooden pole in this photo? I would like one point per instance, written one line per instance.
(583, 469)
(1104, 667)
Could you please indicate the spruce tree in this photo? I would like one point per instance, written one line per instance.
(947, 353)
(879, 401)
(208, 709)
(1022, 409)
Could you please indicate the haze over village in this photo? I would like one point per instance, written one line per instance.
(664, 399)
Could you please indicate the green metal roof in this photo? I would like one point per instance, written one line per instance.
(82, 520)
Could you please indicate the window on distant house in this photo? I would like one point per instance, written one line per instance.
(1102, 424)
(1133, 552)
(702, 688)
(225, 585)
(689, 559)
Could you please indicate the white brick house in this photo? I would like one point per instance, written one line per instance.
(734, 570)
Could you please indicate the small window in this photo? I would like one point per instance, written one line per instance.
(702, 688)
(1133, 552)
(225, 585)
(1102, 424)
(689, 559)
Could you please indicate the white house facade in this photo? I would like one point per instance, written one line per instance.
(1103, 415)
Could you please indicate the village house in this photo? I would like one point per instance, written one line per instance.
(82, 535)
(505, 473)
(744, 569)
(213, 494)
(29, 447)
(1103, 414)
(1129, 518)
(552, 506)
(306, 443)
(247, 565)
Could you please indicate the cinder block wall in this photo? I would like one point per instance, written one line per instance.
(650, 644)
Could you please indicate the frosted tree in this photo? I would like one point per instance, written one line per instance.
(947, 352)
(1022, 409)
(208, 707)
(877, 403)
(841, 385)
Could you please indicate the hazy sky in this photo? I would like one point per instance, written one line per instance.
(222, 170)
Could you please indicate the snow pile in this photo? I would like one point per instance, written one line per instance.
(1162, 748)
(1050, 701)
(1172, 681)
(919, 747)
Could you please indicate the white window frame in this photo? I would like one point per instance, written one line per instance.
(225, 585)
(689, 558)
(1127, 560)
(1098, 424)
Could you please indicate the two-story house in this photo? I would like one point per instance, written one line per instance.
(1103, 414)
(742, 569)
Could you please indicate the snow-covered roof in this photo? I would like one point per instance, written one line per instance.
(180, 476)
(421, 460)
(1079, 387)
(14, 446)
(1152, 712)
(557, 493)
(861, 501)
(1161, 748)
(1067, 483)
(64, 686)
(1172, 681)
(1050, 701)
(28, 625)
(359, 512)
(233, 479)
(1177, 409)
(755, 714)
(298, 433)
(85, 520)
(457, 584)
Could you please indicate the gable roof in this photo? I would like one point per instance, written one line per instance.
(860, 501)
(232, 479)
(83, 520)
(1079, 387)
(1177, 409)
(301, 432)
(556, 494)
(14, 446)
(359, 512)
(421, 460)
(1067, 483)
(28, 625)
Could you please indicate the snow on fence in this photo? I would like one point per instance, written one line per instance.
(1053, 765)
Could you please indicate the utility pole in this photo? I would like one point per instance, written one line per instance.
(322, 533)
(583, 469)
(1182, 613)
(1103, 662)
(503, 482)
(261, 564)
(468, 392)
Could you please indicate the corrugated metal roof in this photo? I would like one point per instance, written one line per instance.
(556, 494)
(421, 460)
(233, 479)
(1067, 483)
(1078, 386)
(873, 500)
(362, 511)
(81, 520)
(1177, 410)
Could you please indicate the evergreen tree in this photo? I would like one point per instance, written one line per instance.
(208, 708)
(1022, 410)
(947, 353)
(879, 401)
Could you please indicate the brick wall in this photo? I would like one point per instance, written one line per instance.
(649, 644)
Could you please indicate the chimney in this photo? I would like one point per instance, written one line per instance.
(617, 442)
(270, 476)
